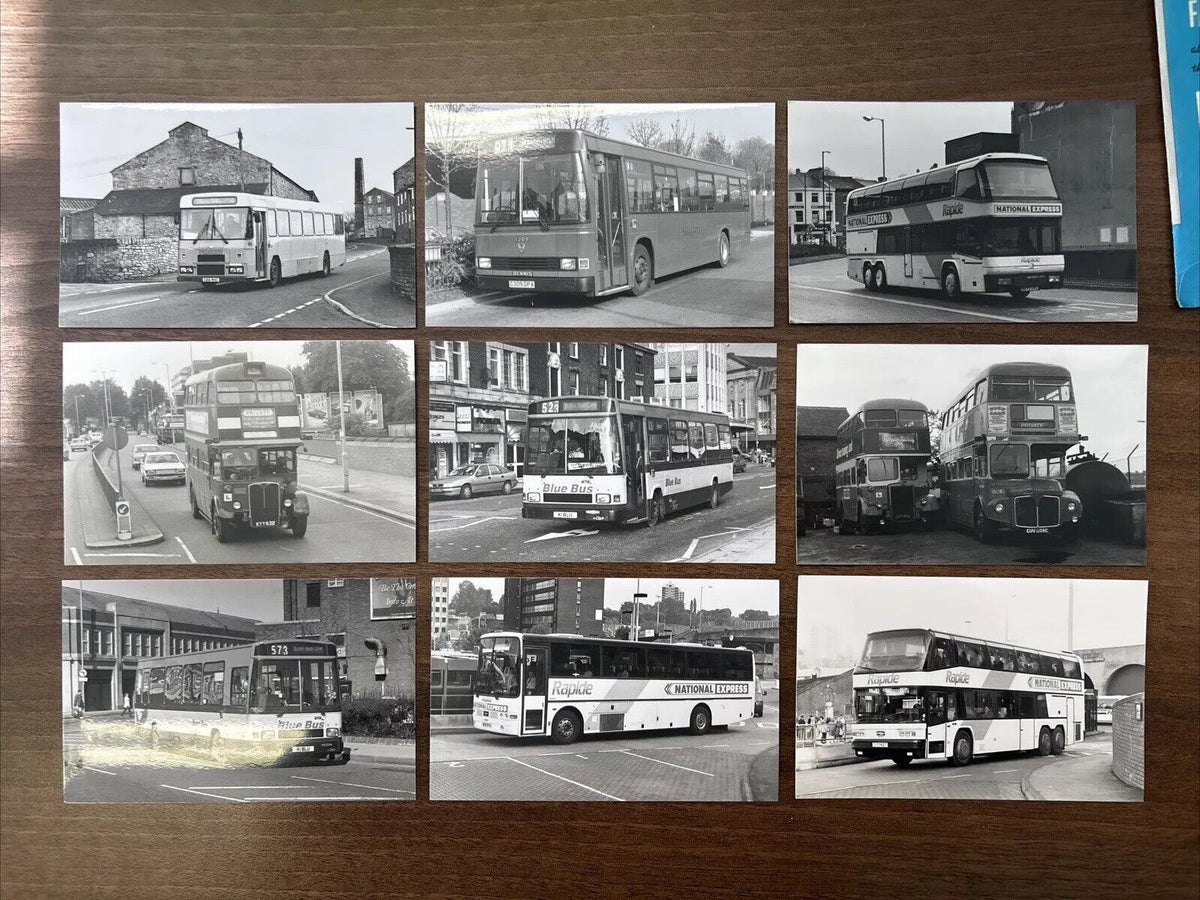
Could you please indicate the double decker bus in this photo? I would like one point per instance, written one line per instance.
(882, 466)
(238, 237)
(1003, 448)
(992, 223)
(601, 459)
(242, 430)
(169, 427)
(567, 685)
(266, 702)
(570, 212)
(926, 694)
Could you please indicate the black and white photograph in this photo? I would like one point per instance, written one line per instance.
(600, 215)
(910, 212)
(198, 452)
(970, 689)
(981, 454)
(236, 691)
(583, 452)
(237, 215)
(604, 689)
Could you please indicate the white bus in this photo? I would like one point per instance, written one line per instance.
(923, 694)
(567, 685)
(268, 702)
(991, 224)
(601, 459)
(225, 238)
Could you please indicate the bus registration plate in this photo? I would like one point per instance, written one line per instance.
(878, 743)
(1037, 530)
(303, 748)
(566, 514)
(210, 279)
(523, 285)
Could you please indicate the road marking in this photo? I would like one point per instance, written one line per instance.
(562, 778)
(712, 746)
(191, 558)
(947, 777)
(870, 784)
(204, 793)
(247, 787)
(664, 763)
(1004, 771)
(101, 771)
(134, 553)
(767, 487)
(287, 312)
(580, 755)
(941, 309)
(574, 532)
(92, 312)
(295, 799)
(342, 309)
(695, 541)
(369, 787)
(75, 556)
(476, 522)
(369, 512)
(691, 549)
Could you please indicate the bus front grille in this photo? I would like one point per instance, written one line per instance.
(1036, 512)
(566, 498)
(532, 263)
(904, 505)
(210, 263)
(1047, 510)
(264, 503)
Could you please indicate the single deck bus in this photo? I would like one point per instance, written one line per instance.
(1002, 449)
(451, 682)
(925, 694)
(567, 685)
(992, 223)
(601, 459)
(882, 466)
(571, 212)
(266, 702)
(237, 237)
(242, 430)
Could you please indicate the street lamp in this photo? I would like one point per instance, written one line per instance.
(170, 393)
(882, 142)
(117, 653)
(342, 419)
(825, 191)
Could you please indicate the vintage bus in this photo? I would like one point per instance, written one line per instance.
(169, 427)
(237, 237)
(571, 212)
(1002, 450)
(452, 682)
(925, 694)
(600, 459)
(992, 223)
(266, 702)
(882, 466)
(242, 430)
(567, 685)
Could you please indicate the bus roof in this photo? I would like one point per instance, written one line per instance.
(960, 637)
(586, 140)
(887, 403)
(585, 639)
(249, 370)
(608, 404)
(238, 198)
(937, 175)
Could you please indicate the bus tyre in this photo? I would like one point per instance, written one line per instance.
(951, 286)
(964, 749)
(869, 277)
(714, 496)
(465, 493)
(643, 270)
(220, 528)
(325, 267)
(196, 514)
(1045, 743)
(654, 510)
(567, 727)
(276, 274)
(723, 250)
(1059, 741)
(299, 526)
(983, 529)
(1019, 293)
(880, 277)
(902, 760)
(701, 722)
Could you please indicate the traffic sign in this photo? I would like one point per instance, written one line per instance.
(124, 520)
(115, 437)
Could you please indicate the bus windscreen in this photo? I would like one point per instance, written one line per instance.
(573, 445)
(1010, 178)
(896, 651)
(550, 186)
(215, 224)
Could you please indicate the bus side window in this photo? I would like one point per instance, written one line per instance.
(967, 185)
(705, 191)
(283, 223)
(658, 662)
(657, 435)
(308, 223)
(980, 459)
(269, 219)
(678, 662)
(711, 440)
(688, 199)
(723, 437)
(679, 441)
(696, 440)
(239, 678)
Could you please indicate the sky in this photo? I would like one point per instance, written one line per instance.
(753, 349)
(734, 120)
(314, 144)
(1109, 380)
(834, 614)
(736, 594)
(915, 134)
(126, 360)
(254, 598)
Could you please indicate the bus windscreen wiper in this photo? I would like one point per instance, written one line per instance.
(496, 223)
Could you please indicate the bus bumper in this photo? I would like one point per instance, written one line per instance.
(888, 749)
(214, 279)
(542, 284)
(314, 750)
(573, 514)
(1038, 281)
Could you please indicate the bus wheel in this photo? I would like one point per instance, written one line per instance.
(902, 760)
(276, 275)
(951, 287)
(196, 514)
(869, 277)
(299, 526)
(984, 530)
(1059, 741)
(714, 496)
(1019, 293)
(643, 271)
(465, 493)
(654, 510)
(964, 749)
(701, 722)
(880, 277)
(723, 250)
(220, 528)
(567, 727)
(1045, 743)
(325, 267)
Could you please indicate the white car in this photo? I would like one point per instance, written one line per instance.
(163, 466)
(140, 451)
(80, 443)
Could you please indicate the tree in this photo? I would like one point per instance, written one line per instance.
(721, 616)
(450, 146)
(366, 365)
(714, 148)
(471, 600)
(145, 388)
(645, 132)
(573, 116)
(754, 615)
(680, 139)
(757, 157)
(88, 407)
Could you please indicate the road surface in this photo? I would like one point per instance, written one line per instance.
(822, 293)
(356, 295)
(490, 528)
(647, 766)
(739, 296)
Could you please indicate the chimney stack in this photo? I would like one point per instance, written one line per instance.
(359, 223)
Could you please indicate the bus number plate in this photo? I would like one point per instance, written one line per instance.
(270, 524)
(878, 743)
(566, 514)
(303, 748)
(521, 284)
(1037, 530)
(210, 279)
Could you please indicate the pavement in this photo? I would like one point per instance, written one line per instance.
(736, 764)
(915, 545)
(356, 295)
(739, 296)
(741, 529)
(95, 513)
(374, 523)
(822, 293)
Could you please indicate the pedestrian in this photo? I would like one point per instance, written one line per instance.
(126, 709)
(77, 705)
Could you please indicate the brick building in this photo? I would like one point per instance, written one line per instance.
(348, 611)
(1129, 740)
(479, 392)
(690, 376)
(554, 605)
(379, 211)
(404, 222)
(825, 695)
(751, 383)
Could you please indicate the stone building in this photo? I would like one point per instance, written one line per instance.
(554, 605)
(379, 210)
(70, 226)
(404, 222)
(753, 404)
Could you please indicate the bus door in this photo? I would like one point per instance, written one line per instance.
(610, 225)
(635, 459)
(937, 714)
(908, 267)
(533, 675)
(260, 244)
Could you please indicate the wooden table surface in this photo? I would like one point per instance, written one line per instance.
(619, 50)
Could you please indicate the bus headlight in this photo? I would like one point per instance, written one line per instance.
(237, 504)
(998, 506)
(604, 498)
(287, 502)
(236, 270)
(186, 270)
(568, 263)
(333, 732)
(585, 263)
(533, 498)
(1071, 506)
(483, 262)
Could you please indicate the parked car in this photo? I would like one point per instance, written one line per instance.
(80, 443)
(163, 466)
(140, 451)
(739, 461)
(476, 478)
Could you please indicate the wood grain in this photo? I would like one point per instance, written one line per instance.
(621, 51)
